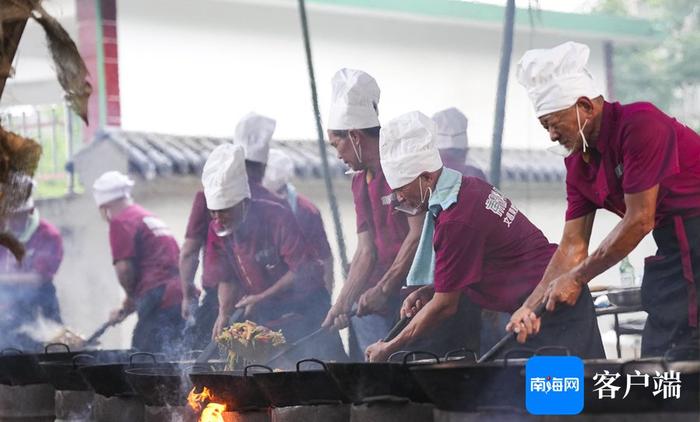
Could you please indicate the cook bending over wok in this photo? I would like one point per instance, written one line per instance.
(475, 242)
(260, 259)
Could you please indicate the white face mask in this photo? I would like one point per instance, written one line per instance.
(563, 151)
(415, 210)
(560, 150)
(221, 230)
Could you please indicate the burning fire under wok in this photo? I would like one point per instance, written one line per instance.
(205, 404)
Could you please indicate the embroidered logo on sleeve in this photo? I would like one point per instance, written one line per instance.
(510, 215)
(496, 202)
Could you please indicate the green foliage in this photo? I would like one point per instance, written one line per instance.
(661, 71)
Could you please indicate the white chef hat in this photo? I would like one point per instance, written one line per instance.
(279, 171)
(28, 204)
(354, 101)
(407, 148)
(224, 177)
(254, 132)
(110, 186)
(451, 127)
(556, 77)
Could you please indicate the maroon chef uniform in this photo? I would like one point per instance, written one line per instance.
(198, 228)
(374, 210)
(137, 235)
(267, 245)
(21, 303)
(311, 224)
(639, 147)
(489, 250)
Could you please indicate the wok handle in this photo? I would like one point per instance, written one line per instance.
(11, 349)
(464, 350)
(506, 338)
(507, 354)
(397, 353)
(397, 328)
(314, 360)
(419, 352)
(77, 358)
(192, 354)
(245, 370)
(50, 345)
(553, 348)
(133, 355)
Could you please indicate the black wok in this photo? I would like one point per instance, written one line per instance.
(165, 386)
(237, 389)
(467, 386)
(63, 374)
(19, 368)
(109, 379)
(300, 387)
(367, 381)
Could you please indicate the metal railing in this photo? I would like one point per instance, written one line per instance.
(55, 127)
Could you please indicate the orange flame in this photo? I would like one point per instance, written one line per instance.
(212, 412)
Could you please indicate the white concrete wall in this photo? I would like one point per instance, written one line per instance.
(190, 69)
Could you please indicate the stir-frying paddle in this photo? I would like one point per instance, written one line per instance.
(302, 340)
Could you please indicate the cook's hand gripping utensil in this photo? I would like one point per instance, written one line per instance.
(502, 342)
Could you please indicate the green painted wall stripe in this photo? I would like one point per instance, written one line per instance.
(606, 25)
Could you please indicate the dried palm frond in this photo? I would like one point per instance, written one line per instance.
(19, 158)
(70, 68)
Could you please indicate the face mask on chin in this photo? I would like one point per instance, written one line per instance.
(565, 152)
(560, 150)
(403, 207)
(220, 230)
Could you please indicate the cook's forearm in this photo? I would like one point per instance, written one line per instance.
(618, 244)
(189, 261)
(362, 266)
(394, 278)
(284, 283)
(328, 275)
(563, 260)
(126, 276)
(227, 293)
(423, 324)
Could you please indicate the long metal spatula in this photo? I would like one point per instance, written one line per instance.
(302, 340)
